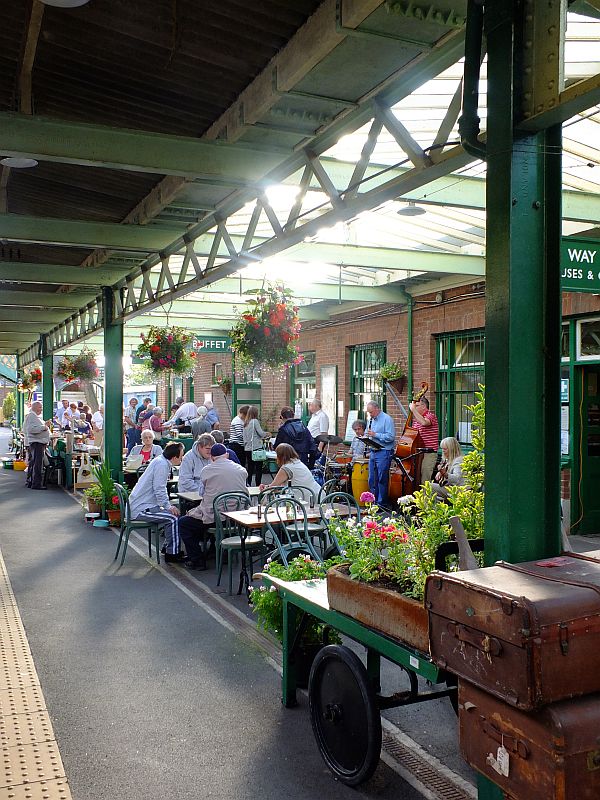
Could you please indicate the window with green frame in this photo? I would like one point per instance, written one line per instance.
(460, 360)
(365, 362)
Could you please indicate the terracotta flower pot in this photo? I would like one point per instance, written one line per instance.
(382, 608)
(114, 516)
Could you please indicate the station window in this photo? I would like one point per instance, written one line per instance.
(217, 373)
(365, 362)
(460, 370)
(588, 339)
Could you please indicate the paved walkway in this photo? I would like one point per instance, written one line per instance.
(150, 696)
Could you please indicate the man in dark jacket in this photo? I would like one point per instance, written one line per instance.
(294, 432)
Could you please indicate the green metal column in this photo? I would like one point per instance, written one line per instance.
(522, 313)
(20, 404)
(522, 519)
(47, 380)
(191, 389)
(113, 393)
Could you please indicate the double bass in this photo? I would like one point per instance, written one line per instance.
(403, 478)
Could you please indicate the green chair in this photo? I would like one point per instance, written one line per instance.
(227, 539)
(290, 536)
(336, 502)
(128, 525)
(315, 529)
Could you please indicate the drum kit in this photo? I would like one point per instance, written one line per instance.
(332, 467)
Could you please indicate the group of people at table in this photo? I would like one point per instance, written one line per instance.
(212, 467)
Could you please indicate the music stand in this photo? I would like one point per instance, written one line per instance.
(366, 440)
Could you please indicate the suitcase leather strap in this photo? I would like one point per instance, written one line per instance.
(511, 743)
(555, 579)
(481, 641)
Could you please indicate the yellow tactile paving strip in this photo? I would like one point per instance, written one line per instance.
(30, 764)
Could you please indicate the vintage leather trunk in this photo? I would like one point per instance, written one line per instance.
(552, 754)
(527, 633)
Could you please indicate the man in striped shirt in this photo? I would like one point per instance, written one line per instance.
(236, 434)
(425, 421)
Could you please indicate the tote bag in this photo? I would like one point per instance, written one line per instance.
(261, 453)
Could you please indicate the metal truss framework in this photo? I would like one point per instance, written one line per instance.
(141, 291)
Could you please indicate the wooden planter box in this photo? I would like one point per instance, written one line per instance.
(385, 610)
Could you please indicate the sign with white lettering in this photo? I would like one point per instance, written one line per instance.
(580, 265)
(211, 344)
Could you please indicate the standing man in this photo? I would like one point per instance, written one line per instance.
(425, 421)
(98, 426)
(211, 414)
(60, 412)
(294, 432)
(149, 499)
(141, 410)
(236, 434)
(37, 436)
(186, 412)
(132, 435)
(317, 424)
(383, 432)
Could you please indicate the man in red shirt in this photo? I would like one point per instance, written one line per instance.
(425, 421)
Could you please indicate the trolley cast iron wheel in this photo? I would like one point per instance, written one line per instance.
(344, 714)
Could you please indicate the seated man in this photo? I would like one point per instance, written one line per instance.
(222, 475)
(200, 425)
(211, 415)
(193, 463)
(219, 438)
(149, 499)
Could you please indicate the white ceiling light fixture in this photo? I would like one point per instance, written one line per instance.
(411, 210)
(18, 162)
(65, 3)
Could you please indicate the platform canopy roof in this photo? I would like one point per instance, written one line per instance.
(187, 151)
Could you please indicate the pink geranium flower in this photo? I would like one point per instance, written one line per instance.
(367, 497)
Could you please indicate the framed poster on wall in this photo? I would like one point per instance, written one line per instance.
(329, 395)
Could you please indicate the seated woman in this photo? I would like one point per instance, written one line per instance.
(357, 449)
(292, 471)
(147, 450)
(82, 426)
(449, 472)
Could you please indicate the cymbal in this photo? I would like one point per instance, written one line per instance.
(328, 438)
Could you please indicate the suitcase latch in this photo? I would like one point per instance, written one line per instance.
(563, 630)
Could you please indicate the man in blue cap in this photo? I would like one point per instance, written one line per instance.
(220, 476)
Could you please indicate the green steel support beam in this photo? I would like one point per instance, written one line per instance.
(73, 233)
(388, 293)
(61, 274)
(47, 380)
(45, 300)
(113, 388)
(66, 142)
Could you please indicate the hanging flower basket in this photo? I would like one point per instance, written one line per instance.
(225, 384)
(30, 380)
(166, 350)
(80, 367)
(265, 332)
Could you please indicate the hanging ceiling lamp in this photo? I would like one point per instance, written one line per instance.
(65, 3)
(18, 162)
(411, 210)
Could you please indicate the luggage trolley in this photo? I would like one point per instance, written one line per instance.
(344, 695)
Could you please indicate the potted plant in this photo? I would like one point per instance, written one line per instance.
(265, 332)
(94, 498)
(268, 607)
(82, 366)
(394, 373)
(110, 499)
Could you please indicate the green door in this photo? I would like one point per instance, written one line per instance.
(590, 451)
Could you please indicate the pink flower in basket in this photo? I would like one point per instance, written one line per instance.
(367, 497)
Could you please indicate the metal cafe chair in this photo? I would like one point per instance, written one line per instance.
(289, 531)
(336, 502)
(227, 535)
(128, 525)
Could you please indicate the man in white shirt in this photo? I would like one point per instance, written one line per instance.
(37, 436)
(60, 411)
(98, 426)
(319, 421)
(186, 413)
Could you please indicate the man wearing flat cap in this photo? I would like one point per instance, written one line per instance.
(221, 475)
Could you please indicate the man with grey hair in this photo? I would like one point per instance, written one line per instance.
(37, 436)
(199, 425)
(193, 463)
(382, 432)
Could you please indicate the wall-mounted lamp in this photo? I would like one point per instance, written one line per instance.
(411, 210)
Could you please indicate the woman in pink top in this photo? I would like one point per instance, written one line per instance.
(155, 424)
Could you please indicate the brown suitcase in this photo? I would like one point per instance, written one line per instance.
(527, 633)
(552, 754)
